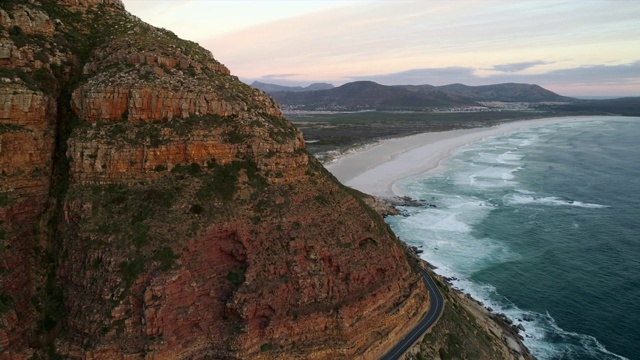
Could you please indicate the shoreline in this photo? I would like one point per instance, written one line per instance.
(376, 168)
(496, 324)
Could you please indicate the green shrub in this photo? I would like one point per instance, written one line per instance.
(42, 56)
(234, 137)
(140, 214)
(17, 36)
(8, 128)
(4, 199)
(118, 199)
(345, 245)
(45, 81)
(6, 303)
(166, 257)
(158, 198)
(106, 228)
(267, 347)
(130, 270)
(196, 209)
(236, 275)
(262, 205)
(221, 183)
(140, 236)
(321, 199)
(194, 169)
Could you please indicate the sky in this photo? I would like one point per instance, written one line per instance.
(575, 48)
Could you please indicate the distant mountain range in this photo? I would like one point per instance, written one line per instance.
(368, 95)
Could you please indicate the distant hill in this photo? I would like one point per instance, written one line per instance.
(368, 95)
(627, 106)
(509, 92)
(270, 88)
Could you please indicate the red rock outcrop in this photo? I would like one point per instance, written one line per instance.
(27, 137)
(29, 20)
(173, 211)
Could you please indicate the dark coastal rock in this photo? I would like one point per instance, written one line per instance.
(502, 317)
(402, 201)
(431, 266)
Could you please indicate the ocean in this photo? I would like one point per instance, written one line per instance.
(542, 225)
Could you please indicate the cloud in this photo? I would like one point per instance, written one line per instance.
(386, 37)
(519, 66)
(432, 76)
(593, 75)
(442, 42)
(278, 76)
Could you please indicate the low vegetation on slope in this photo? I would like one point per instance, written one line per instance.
(152, 205)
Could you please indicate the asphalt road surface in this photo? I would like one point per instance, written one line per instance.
(437, 305)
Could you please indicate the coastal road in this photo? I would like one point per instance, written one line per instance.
(437, 305)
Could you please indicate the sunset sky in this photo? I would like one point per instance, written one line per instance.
(575, 48)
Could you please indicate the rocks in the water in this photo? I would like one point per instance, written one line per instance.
(431, 266)
(402, 201)
(527, 317)
(504, 318)
(396, 201)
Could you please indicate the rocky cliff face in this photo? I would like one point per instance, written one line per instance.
(152, 205)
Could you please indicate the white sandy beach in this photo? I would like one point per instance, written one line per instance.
(376, 168)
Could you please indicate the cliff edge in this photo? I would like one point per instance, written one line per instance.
(153, 206)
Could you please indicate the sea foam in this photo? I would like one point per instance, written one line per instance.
(484, 179)
(521, 199)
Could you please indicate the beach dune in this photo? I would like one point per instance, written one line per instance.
(376, 168)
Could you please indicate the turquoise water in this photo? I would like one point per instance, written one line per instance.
(543, 225)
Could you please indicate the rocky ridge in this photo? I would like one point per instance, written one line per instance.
(154, 206)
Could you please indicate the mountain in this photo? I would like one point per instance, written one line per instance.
(271, 88)
(368, 95)
(154, 206)
(509, 92)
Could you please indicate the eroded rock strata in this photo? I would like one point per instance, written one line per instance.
(153, 206)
